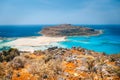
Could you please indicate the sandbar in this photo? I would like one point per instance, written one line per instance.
(34, 41)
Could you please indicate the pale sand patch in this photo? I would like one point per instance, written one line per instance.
(34, 42)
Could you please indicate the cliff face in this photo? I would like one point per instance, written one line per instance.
(68, 30)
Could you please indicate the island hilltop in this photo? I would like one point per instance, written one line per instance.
(69, 30)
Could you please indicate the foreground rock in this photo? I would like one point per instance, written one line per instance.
(62, 64)
(69, 30)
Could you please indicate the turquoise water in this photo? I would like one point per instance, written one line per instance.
(108, 42)
(95, 43)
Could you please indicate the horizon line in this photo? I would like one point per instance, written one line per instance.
(52, 24)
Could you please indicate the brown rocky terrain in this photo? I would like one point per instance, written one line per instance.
(69, 30)
(59, 64)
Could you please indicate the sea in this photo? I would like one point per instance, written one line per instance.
(108, 42)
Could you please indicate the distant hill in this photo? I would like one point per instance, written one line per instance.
(69, 30)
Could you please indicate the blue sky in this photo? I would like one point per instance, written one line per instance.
(59, 11)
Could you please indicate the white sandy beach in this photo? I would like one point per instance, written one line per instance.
(30, 42)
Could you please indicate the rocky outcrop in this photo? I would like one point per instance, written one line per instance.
(62, 64)
(69, 30)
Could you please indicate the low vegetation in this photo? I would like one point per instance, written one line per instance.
(8, 55)
(60, 64)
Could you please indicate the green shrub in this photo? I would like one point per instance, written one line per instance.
(9, 55)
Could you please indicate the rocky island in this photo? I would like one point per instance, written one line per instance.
(69, 30)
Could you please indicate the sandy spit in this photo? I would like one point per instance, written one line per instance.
(34, 42)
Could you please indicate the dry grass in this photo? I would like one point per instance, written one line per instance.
(46, 69)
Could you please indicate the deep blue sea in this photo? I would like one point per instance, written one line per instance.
(108, 42)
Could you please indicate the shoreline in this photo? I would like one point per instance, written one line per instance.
(30, 42)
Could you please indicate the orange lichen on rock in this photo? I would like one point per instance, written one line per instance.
(33, 56)
(111, 63)
(23, 74)
(73, 51)
(70, 67)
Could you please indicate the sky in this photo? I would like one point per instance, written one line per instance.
(59, 12)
